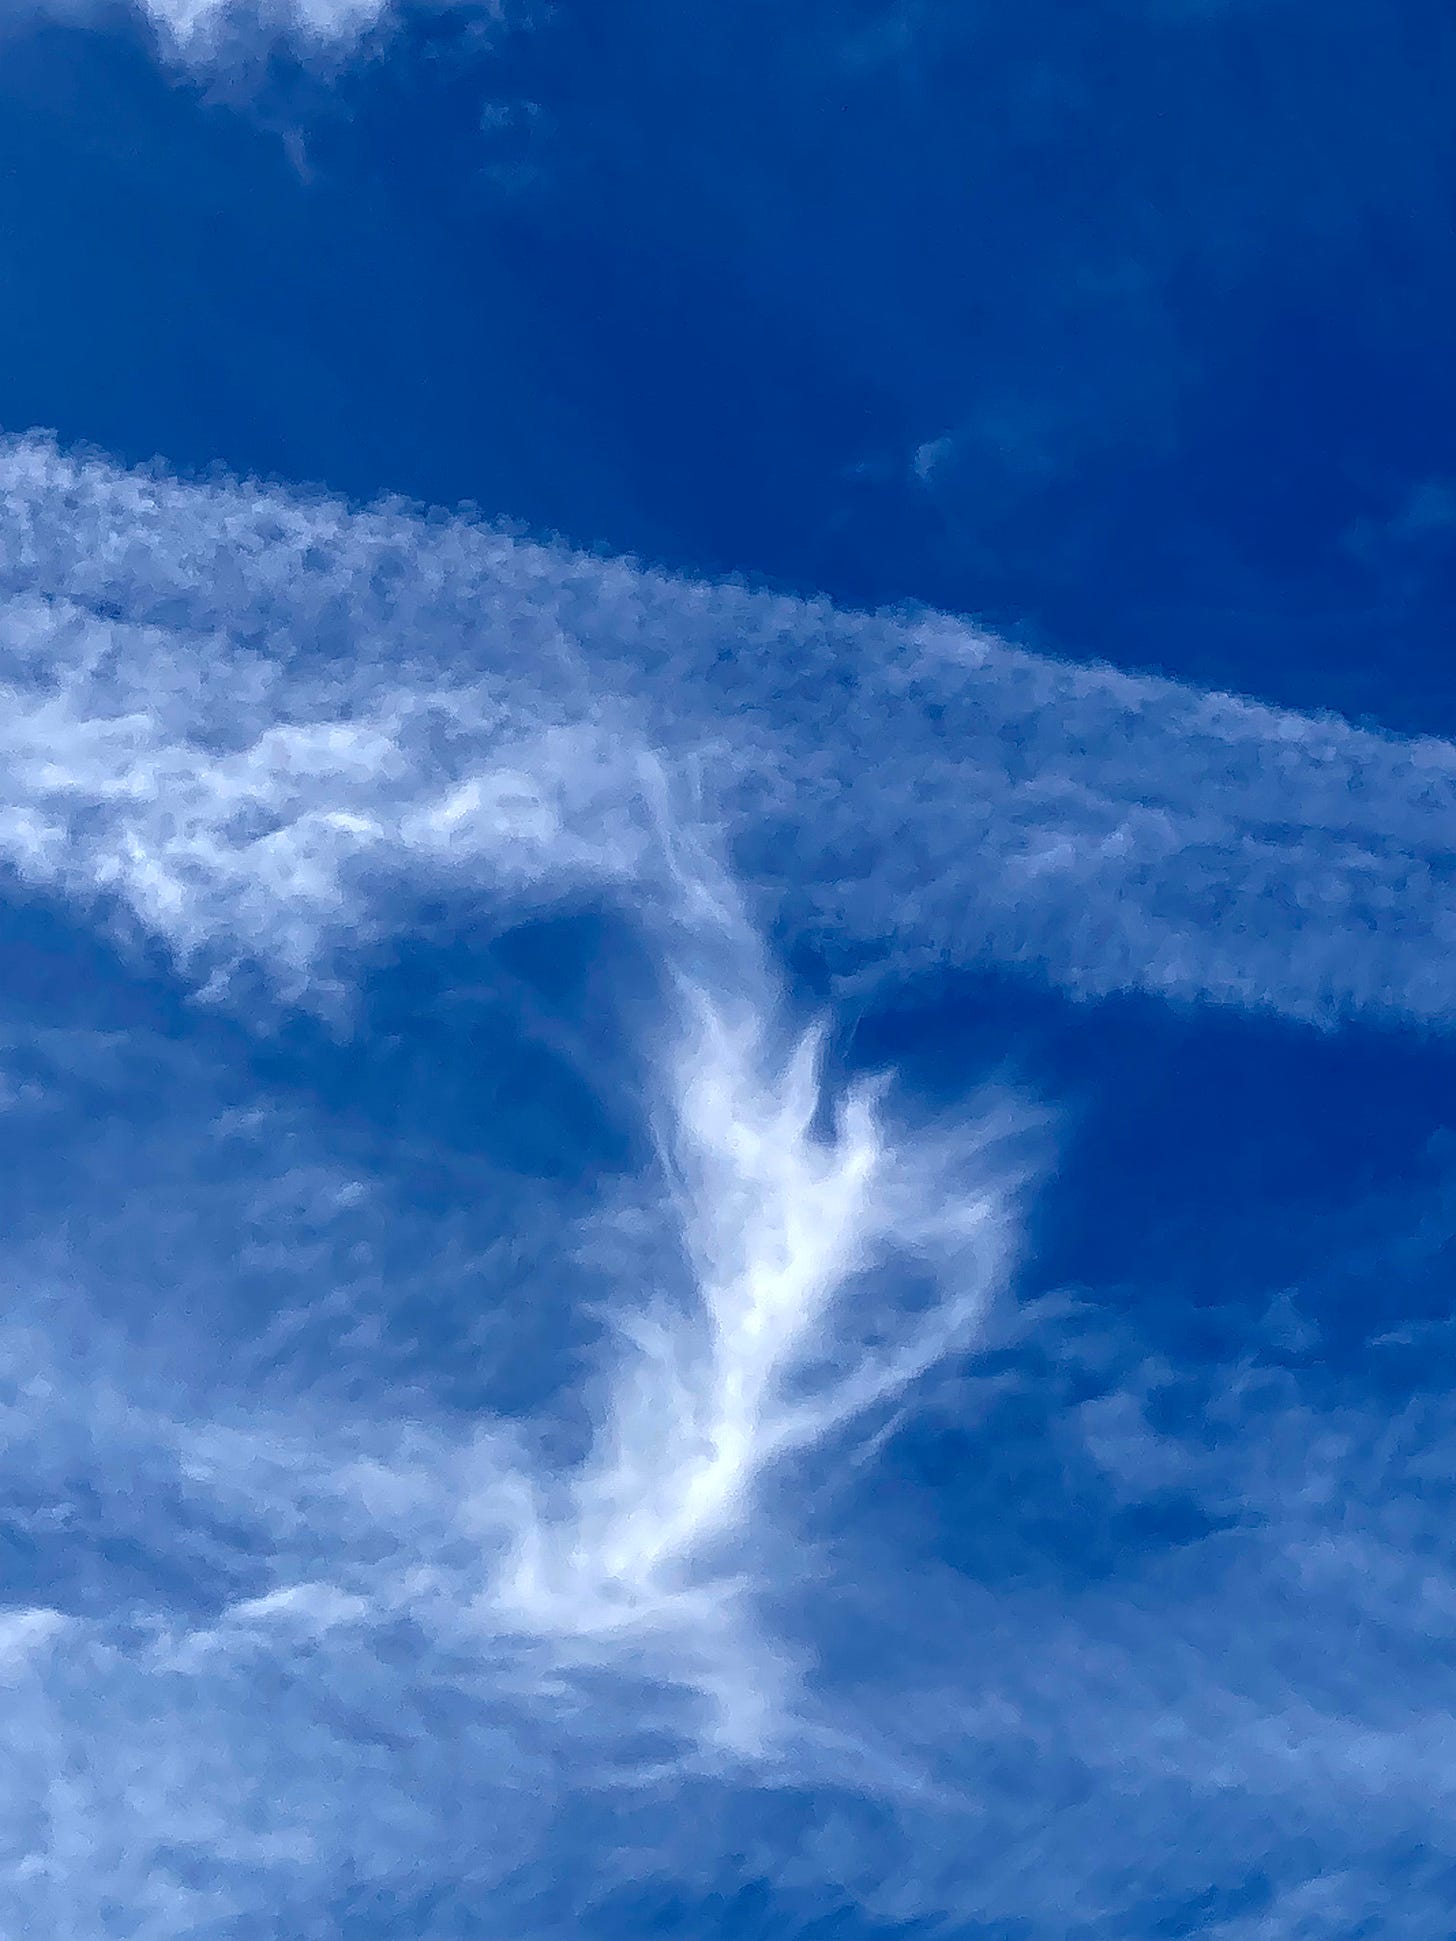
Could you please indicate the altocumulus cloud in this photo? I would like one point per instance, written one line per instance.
(351, 1654)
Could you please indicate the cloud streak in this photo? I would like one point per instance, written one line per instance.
(389, 696)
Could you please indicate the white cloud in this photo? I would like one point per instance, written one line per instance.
(358, 1626)
(389, 697)
(445, 1623)
(589, 1626)
(24, 1635)
(187, 23)
(201, 33)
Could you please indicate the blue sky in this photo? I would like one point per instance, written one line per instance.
(727, 885)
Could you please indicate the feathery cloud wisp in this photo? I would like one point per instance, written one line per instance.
(601, 1619)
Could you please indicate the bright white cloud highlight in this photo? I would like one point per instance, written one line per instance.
(199, 33)
(189, 22)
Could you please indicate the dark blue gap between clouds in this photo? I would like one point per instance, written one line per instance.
(1124, 328)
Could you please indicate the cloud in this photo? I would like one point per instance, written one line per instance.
(313, 1621)
(212, 34)
(449, 1623)
(392, 698)
(23, 1634)
(234, 1522)
(189, 24)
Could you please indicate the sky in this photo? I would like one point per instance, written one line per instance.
(727, 919)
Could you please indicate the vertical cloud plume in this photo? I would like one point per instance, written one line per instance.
(600, 1628)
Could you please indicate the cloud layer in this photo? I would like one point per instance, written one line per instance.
(309, 1634)
(388, 695)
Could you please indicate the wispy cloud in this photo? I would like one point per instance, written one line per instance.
(602, 1614)
(202, 32)
(588, 1626)
(388, 695)
(292, 1637)
(190, 23)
